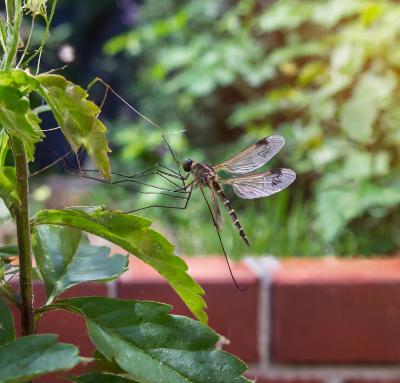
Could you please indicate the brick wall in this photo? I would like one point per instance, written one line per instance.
(322, 320)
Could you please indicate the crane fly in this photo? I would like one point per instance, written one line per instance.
(246, 184)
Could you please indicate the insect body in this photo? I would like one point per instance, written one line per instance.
(205, 175)
(248, 186)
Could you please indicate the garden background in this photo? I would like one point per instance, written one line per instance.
(324, 74)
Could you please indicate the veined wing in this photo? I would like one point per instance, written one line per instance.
(253, 157)
(262, 184)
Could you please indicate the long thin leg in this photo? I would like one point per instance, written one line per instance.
(158, 172)
(98, 79)
(119, 183)
(173, 171)
(147, 172)
(164, 206)
(50, 165)
(135, 175)
(144, 173)
(128, 179)
(139, 183)
(220, 241)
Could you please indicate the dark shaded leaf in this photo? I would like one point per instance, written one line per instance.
(65, 258)
(8, 187)
(32, 356)
(9, 251)
(154, 346)
(100, 378)
(7, 329)
(134, 234)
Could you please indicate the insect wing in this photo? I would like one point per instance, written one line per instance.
(261, 185)
(253, 157)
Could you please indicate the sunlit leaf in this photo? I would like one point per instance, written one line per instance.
(7, 330)
(360, 112)
(78, 118)
(153, 346)
(133, 234)
(35, 7)
(285, 14)
(18, 80)
(13, 99)
(371, 12)
(32, 356)
(328, 13)
(23, 125)
(65, 258)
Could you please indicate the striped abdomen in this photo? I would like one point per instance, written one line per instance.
(231, 211)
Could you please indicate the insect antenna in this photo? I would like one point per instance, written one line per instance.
(220, 241)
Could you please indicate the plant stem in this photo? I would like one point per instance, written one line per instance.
(24, 237)
(16, 11)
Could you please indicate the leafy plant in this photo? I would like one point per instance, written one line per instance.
(325, 74)
(140, 340)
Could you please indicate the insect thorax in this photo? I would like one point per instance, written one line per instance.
(203, 173)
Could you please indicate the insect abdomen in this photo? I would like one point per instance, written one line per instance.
(231, 211)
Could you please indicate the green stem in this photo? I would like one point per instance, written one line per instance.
(24, 237)
(44, 38)
(9, 11)
(17, 20)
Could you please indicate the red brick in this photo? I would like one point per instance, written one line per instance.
(336, 311)
(232, 313)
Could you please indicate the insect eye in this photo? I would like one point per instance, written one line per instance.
(187, 165)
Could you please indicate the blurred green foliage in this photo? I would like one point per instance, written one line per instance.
(324, 74)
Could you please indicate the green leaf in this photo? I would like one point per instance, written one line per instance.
(13, 99)
(9, 251)
(8, 187)
(285, 14)
(32, 356)
(7, 329)
(24, 126)
(133, 234)
(19, 80)
(360, 112)
(78, 118)
(15, 114)
(100, 378)
(336, 207)
(154, 346)
(65, 258)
